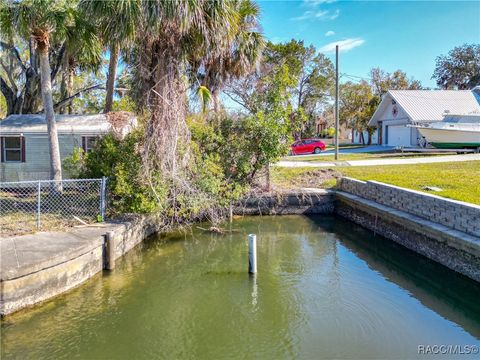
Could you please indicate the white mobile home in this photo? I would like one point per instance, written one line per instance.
(25, 153)
(400, 108)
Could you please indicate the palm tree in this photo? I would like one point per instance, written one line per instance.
(172, 33)
(237, 53)
(117, 21)
(83, 50)
(42, 21)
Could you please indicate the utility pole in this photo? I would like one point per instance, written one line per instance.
(336, 103)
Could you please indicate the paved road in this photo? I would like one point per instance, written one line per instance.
(379, 162)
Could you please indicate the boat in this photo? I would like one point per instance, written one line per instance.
(455, 131)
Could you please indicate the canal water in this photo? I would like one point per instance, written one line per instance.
(325, 288)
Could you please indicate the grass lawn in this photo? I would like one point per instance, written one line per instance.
(344, 146)
(362, 156)
(459, 180)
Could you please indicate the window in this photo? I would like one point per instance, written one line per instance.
(13, 149)
(88, 142)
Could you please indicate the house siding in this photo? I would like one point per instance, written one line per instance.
(387, 119)
(37, 158)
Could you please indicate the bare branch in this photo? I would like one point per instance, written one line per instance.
(9, 75)
(14, 52)
(7, 93)
(69, 99)
(244, 103)
(58, 62)
(77, 94)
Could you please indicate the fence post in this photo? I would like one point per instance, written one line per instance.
(102, 198)
(39, 208)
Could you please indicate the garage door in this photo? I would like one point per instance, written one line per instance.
(398, 135)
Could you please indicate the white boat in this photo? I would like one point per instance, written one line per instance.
(453, 132)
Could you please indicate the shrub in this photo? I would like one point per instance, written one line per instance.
(118, 160)
(226, 154)
(241, 147)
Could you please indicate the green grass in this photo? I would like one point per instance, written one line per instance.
(362, 156)
(346, 145)
(458, 180)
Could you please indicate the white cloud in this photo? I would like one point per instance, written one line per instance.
(315, 3)
(330, 33)
(318, 14)
(334, 15)
(344, 45)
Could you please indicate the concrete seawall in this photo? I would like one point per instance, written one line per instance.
(40, 266)
(37, 267)
(443, 230)
(303, 201)
(453, 214)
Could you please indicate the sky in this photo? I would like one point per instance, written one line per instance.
(406, 35)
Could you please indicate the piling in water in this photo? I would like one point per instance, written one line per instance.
(110, 250)
(252, 253)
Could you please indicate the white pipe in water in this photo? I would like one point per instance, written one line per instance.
(252, 253)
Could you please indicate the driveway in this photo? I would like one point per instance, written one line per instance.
(380, 162)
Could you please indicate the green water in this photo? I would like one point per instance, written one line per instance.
(325, 288)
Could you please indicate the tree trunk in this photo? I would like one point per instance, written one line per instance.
(167, 135)
(268, 183)
(71, 74)
(46, 86)
(10, 97)
(112, 71)
(369, 141)
(362, 138)
(216, 101)
(63, 85)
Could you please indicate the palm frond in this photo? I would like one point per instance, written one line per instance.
(204, 96)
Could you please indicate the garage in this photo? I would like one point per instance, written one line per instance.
(398, 135)
(401, 107)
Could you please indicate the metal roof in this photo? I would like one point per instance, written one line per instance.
(35, 123)
(428, 105)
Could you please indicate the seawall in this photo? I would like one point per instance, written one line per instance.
(40, 266)
(443, 230)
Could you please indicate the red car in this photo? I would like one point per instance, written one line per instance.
(308, 146)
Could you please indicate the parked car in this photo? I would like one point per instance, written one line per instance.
(307, 146)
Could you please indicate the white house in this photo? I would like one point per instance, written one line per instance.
(25, 153)
(399, 108)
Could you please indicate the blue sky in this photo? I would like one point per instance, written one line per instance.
(406, 35)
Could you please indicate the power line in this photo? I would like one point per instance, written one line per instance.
(356, 77)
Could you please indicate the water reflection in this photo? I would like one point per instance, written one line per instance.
(450, 294)
(253, 279)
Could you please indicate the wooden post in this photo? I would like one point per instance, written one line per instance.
(252, 253)
(110, 250)
(230, 212)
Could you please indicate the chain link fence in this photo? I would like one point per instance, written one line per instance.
(49, 205)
